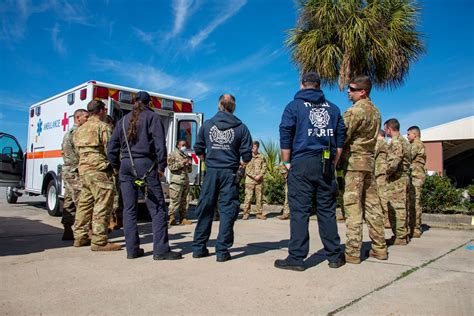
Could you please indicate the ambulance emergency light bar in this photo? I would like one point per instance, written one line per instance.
(102, 92)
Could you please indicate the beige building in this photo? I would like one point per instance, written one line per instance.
(450, 150)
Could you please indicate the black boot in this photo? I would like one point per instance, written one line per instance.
(68, 233)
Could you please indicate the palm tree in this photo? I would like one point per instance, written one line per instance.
(341, 39)
(271, 152)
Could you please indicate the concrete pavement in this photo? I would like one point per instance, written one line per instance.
(40, 274)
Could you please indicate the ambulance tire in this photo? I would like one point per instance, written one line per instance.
(11, 196)
(52, 199)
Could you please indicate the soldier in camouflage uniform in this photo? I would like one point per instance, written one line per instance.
(380, 173)
(398, 164)
(96, 198)
(417, 178)
(179, 165)
(116, 216)
(362, 121)
(286, 209)
(70, 175)
(254, 173)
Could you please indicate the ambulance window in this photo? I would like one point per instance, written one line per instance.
(70, 98)
(38, 111)
(187, 130)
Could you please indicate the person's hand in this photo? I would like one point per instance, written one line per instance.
(161, 174)
(258, 178)
(288, 167)
(243, 164)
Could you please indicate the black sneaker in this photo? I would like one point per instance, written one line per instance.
(287, 265)
(339, 263)
(170, 255)
(203, 254)
(223, 258)
(140, 252)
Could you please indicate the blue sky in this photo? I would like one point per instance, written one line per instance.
(201, 49)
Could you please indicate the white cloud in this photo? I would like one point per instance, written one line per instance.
(8, 101)
(180, 10)
(154, 79)
(58, 43)
(438, 114)
(14, 15)
(147, 38)
(232, 8)
(262, 57)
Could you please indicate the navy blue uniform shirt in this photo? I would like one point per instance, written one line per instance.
(224, 139)
(150, 142)
(311, 124)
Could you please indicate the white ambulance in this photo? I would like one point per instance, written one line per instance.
(38, 171)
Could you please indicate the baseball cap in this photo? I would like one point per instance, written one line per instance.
(311, 77)
(143, 96)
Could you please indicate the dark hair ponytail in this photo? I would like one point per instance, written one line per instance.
(132, 127)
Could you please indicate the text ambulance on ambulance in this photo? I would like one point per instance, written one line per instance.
(38, 172)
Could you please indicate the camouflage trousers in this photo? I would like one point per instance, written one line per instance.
(178, 200)
(249, 189)
(286, 208)
(72, 189)
(397, 190)
(361, 200)
(414, 205)
(117, 204)
(382, 190)
(95, 204)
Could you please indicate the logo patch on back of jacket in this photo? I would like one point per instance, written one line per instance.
(221, 139)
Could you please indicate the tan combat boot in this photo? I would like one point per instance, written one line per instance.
(261, 216)
(380, 255)
(400, 241)
(82, 243)
(185, 221)
(416, 233)
(352, 259)
(284, 217)
(107, 247)
(172, 221)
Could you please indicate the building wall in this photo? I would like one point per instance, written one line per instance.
(434, 156)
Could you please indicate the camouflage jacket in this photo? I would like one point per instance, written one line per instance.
(380, 157)
(418, 159)
(362, 121)
(69, 153)
(179, 171)
(91, 141)
(256, 167)
(398, 158)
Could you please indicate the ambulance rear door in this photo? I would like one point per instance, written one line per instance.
(186, 127)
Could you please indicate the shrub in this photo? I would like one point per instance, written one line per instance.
(439, 194)
(467, 199)
(274, 189)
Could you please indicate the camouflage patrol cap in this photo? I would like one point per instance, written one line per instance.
(143, 96)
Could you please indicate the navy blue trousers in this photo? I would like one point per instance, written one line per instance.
(155, 203)
(306, 182)
(218, 184)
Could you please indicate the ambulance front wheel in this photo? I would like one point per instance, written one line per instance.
(52, 199)
(11, 196)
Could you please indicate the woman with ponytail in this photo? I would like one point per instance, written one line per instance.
(137, 149)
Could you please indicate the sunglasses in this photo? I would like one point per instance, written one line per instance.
(352, 89)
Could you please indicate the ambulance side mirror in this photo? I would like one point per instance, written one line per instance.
(7, 154)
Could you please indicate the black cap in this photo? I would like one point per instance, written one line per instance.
(143, 96)
(311, 77)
